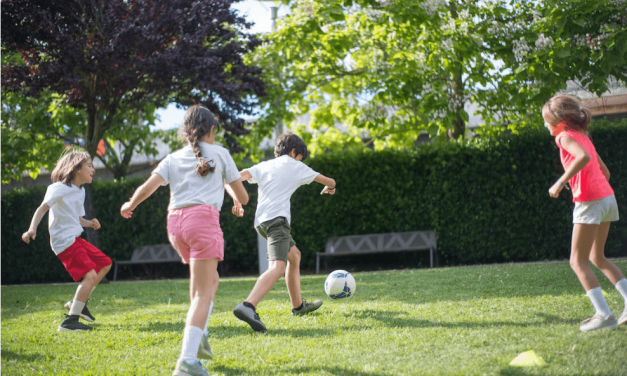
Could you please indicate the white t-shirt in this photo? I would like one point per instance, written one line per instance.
(278, 179)
(67, 204)
(187, 188)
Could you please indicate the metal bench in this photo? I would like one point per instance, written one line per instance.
(149, 254)
(378, 243)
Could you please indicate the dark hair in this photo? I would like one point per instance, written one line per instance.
(197, 122)
(567, 109)
(68, 165)
(288, 142)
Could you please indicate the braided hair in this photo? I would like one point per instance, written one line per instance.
(197, 122)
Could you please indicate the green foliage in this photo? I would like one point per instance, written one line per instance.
(450, 321)
(487, 199)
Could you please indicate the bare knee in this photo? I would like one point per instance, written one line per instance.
(91, 278)
(294, 256)
(106, 269)
(277, 267)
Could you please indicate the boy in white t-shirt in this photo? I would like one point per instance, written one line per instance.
(278, 179)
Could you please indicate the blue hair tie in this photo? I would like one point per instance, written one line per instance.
(579, 108)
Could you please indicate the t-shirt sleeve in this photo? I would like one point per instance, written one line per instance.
(163, 169)
(230, 173)
(255, 171)
(53, 193)
(307, 174)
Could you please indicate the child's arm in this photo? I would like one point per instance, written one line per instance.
(87, 223)
(239, 195)
(581, 160)
(141, 193)
(32, 230)
(604, 168)
(329, 184)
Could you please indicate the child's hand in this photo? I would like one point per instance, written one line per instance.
(27, 235)
(126, 210)
(555, 190)
(237, 209)
(327, 190)
(94, 224)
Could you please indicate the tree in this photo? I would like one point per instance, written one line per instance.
(389, 70)
(110, 58)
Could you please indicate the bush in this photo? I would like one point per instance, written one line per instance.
(487, 199)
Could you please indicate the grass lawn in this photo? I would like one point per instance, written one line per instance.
(450, 321)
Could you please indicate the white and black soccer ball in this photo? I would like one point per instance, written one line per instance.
(340, 284)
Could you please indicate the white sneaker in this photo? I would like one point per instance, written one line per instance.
(597, 322)
(183, 368)
(623, 317)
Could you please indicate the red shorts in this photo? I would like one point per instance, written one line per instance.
(81, 257)
(195, 233)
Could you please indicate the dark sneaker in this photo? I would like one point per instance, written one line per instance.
(307, 307)
(250, 316)
(185, 368)
(204, 350)
(72, 323)
(85, 314)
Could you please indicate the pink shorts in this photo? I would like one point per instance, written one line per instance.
(82, 257)
(195, 233)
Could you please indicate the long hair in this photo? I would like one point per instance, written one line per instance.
(197, 122)
(567, 109)
(288, 142)
(68, 165)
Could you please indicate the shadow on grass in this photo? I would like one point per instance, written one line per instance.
(10, 355)
(340, 371)
(392, 320)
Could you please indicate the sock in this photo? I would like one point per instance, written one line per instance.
(621, 286)
(77, 307)
(300, 306)
(191, 340)
(208, 315)
(246, 304)
(598, 301)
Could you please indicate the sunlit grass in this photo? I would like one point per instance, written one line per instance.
(460, 321)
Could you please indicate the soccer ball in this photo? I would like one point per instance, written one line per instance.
(340, 284)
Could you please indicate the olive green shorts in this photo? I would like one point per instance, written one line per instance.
(277, 232)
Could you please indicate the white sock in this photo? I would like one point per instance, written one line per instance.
(206, 331)
(598, 301)
(76, 308)
(191, 341)
(621, 286)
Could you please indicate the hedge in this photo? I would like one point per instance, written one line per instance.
(486, 199)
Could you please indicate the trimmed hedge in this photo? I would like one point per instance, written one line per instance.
(487, 200)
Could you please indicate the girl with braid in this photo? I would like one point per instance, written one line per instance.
(197, 175)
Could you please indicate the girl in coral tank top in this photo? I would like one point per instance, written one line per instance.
(595, 205)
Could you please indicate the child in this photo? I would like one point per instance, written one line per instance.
(595, 204)
(278, 179)
(65, 198)
(197, 175)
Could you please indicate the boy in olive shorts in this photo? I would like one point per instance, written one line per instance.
(278, 179)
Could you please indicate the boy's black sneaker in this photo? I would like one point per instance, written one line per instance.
(307, 307)
(249, 316)
(72, 323)
(85, 314)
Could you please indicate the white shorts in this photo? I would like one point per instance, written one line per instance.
(597, 211)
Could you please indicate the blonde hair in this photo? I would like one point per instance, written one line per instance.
(197, 122)
(67, 166)
(567, 109)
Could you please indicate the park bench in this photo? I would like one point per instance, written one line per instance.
(149, 254)
(378, 243)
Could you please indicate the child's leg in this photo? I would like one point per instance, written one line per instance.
(597, 256)
(292, 276)
(212, 296)
(201, 287)
(276, 269)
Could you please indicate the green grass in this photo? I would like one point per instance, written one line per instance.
(451, 321)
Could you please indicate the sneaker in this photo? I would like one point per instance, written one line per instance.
(250, 316)
(597, 322)
(204, 350)
(307, 307)
(85, 314)
(185, 368)
(72, 323)
(623, 317)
